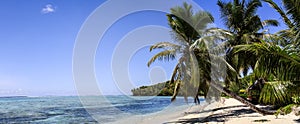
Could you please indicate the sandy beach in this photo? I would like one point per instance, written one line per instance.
(230, 111)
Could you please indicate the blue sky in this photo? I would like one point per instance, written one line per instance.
(37, 40)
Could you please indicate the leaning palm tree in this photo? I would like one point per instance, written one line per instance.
(243, 28)
(190, 44)
(187, 27)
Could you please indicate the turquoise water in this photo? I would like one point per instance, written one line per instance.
(69, 109)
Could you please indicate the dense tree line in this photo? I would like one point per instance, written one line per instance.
(160, 89)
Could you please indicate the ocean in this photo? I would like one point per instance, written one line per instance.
(88, 109)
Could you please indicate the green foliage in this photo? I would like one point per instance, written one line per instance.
(160, 89)
(244, 26)
(285, 110)
(234, 87)
(296, 100)
(275, 93)
(247, 81)
(291, 17)
(274, 58)
(294, 89)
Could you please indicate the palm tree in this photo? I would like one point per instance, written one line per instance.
(187, 27)
(244, 25)
(288, 41)
(277, 62)
(243, 28)
(291, 17)
(279, 67)
(191, 43)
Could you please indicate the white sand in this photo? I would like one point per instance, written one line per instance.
(239, 114)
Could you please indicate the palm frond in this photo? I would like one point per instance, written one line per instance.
(225, 10)
(272, 59)
(281, 12)
(165, 45)
(293, 10)
(253, 24)
(270, 22)
(275, 93)
(164, 55)
(252, 6)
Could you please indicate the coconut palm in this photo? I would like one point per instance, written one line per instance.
(282, 63)
(241, 19)
(190, 43)
(275, 93)
(277, 62)
(287, 41)
(279, 67)
(291, 17)
(244, 25)
(187, 28)
(243, 28)
(184, 74)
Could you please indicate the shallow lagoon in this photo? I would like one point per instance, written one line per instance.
(69, 109)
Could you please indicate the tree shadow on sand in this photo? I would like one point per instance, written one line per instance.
(220, 117)
(297, 120)
(216, 109)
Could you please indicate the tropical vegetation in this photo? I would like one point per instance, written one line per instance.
(159, 89)
(187, 27)
(250, 56)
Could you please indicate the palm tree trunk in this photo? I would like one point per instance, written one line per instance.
(242, 100)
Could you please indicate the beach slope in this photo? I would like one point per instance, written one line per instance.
(231, 111)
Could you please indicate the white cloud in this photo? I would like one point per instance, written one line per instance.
(48, 9)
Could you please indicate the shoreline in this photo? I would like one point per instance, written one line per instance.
(231, 111)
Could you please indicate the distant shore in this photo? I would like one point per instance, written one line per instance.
(232, 111)
(13, 96)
